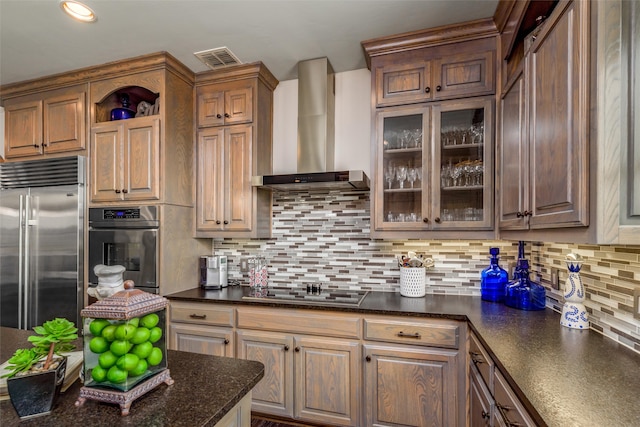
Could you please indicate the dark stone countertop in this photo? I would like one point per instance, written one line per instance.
(205, 389)
(565, 377)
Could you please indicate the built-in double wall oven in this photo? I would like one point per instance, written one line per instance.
(127, 237)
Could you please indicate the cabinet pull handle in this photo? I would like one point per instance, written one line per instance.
(425, 220)
(427, 89)
(286, 348)
(437, 220)
(476, 358)
(219, 116)
(438, 88)
(198, 316)
(527, 213)
(485, 415)
(368, 358)
(227, 115)
(403, 335)
(125, 191)
(226, 222)
(117, 191)
(502, 409)
(297, 349)
(218, 222)
(226, 341)
(519, 214)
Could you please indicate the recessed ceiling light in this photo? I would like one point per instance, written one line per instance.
(78, 11)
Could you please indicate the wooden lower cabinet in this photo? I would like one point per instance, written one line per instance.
(410, 386)
(306, 378)
(202, 328)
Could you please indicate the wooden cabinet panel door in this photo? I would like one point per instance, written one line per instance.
(237, 190)
(327, 380)
(64, 123)
(209, 191)
(274, 393)
(559, 111)
(141, 161)
(480, 401)
(202, 339)
(403, 84)
(23, 129)
(238, 106)
(106, 161)
(514, 163)
(464, 75)
(411, 387)
(210, 106)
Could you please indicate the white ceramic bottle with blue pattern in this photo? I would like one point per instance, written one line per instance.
(574, 313)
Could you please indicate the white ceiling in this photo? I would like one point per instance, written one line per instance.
(38, 39)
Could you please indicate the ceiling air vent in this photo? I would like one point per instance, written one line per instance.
(218, 57)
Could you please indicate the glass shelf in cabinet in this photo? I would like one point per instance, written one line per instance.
(403, 190)
(461, 146)
(403, 150)
(463, 188)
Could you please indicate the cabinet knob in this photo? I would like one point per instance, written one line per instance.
(36, 145)
(438, 88)
(219, 116)
(218, 222)
(226, 222)
(519, 214)
(425, 220)
(427, 89)
(297, 349)
(286, 348)
(45, 145)
(485, 415)
(527, 213)
(227, 115)
(368, 358)
(226, 341)
(118, 191)
(125, 191)
(437, 220)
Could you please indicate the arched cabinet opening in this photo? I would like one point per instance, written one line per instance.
(127, 102)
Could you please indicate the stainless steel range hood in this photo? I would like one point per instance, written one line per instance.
(316, 129)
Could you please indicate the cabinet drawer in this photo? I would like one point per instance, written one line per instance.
(204, 314)
(508, 406)
(330, 324)
(432, 333)
(480, 358)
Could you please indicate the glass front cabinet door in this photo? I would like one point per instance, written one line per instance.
(434, 169)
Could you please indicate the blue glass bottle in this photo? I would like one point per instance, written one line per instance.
(523, 293)
(493, 279)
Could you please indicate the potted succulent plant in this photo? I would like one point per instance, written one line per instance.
(36, 374)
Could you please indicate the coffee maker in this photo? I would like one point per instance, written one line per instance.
(213, 271)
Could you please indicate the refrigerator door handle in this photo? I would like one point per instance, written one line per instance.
(25, 255)
(21, 261)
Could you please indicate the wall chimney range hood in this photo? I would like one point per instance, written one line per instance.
(316, 129)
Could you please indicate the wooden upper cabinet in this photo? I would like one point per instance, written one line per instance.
(46, 123)
(218, 106)
(433, 73)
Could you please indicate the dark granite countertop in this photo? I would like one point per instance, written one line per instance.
(565, 377)
(205, 389)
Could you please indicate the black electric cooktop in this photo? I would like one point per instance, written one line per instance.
(316, 294)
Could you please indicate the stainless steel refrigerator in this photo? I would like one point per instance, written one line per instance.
(41, 241)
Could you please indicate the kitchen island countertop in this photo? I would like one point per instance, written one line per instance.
(565, 377)
(205, 389)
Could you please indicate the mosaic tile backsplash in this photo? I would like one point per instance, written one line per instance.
(324, 237)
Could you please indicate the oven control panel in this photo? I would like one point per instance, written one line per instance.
(120, 213)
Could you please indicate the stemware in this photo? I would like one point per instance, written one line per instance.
(456, 173)
(401, 174)
(411, 176)
(389, 174)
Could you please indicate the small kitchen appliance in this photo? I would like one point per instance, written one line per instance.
(213, 272)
